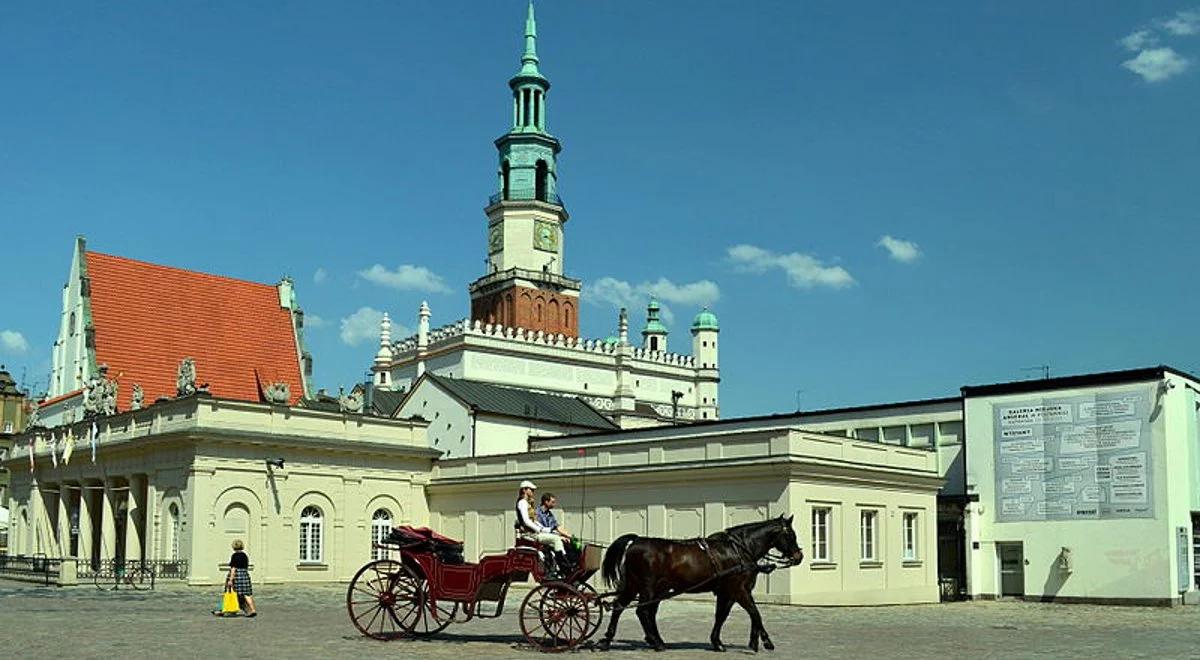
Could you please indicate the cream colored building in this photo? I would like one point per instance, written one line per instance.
(176, 483)
(864, 512)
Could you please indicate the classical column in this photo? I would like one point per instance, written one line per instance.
(64, 520)
(86, 528)
(133, 512)
(36, 505)
(108, 522)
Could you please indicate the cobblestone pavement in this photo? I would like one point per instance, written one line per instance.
(311, 622)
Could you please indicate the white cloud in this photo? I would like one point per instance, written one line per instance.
(803, 271)
(314, 321)
(406, 277)
(620, 293)
(13, 341)
(900, 250)
(1138, 40)
(1183, 24)
(361, 326)
(1157, 64)
(320, 276)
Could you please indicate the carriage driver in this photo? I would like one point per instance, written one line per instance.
(527, 520)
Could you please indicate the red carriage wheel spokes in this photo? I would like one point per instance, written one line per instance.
(376, 593)
(433, 615)
(556, 617)
(595, 609)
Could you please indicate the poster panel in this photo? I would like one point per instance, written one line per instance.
(1083, 457)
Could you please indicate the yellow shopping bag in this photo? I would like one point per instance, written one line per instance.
(229, 603)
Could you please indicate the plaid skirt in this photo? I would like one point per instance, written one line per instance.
(241, 582)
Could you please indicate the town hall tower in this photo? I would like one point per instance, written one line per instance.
(525, 286)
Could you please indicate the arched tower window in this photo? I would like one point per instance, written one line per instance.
(567, 309)
(381, 527)
(504, 179)
(542, 173)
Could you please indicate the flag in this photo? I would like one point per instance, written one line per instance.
(31, 446)
(53, 447)
(67, 450)
(95, 432)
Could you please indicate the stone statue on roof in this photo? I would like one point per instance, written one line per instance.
(185, 378)
(108, 397)
(32, 418)
(278, 393)
(139, 398)
(350, 403)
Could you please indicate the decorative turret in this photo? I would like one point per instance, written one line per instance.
(384, 356)
(704, 339)
(422, 336)
(654, 335)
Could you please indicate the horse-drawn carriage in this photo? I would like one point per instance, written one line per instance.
(427, 587)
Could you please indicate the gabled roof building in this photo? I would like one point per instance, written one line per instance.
(132, 323)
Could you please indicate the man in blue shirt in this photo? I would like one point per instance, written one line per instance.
(546, 518)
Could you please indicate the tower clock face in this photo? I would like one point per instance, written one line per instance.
(545, 236)
(496, 238)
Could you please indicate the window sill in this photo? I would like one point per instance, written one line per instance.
(822, 566)
(912, 563)
(312, 566)
(870, 563)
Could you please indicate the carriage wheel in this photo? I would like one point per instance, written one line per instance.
(381, 594)
(595, 609)
(434, 616)
(556, 617)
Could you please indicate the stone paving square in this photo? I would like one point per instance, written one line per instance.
(310, 621)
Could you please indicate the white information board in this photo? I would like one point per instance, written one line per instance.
(1074, 458)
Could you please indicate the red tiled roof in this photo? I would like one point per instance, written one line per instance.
(148, 318)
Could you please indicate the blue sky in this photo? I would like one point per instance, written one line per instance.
(881, 201)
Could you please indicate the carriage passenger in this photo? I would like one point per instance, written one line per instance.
(528, 522)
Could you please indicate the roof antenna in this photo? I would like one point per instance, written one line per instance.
(1044, 368)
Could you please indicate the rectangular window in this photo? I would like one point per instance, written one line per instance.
(8, 427)
(869, 539)
(910, 536)
(822, 522)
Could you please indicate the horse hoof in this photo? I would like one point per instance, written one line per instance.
(768, 645)
(603, 644)
(718, 647)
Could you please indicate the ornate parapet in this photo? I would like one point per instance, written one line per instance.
(407, 347)
(662, 357)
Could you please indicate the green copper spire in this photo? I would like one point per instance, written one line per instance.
(528, 152)
(529, 60)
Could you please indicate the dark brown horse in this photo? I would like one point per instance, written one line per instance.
(727, 564)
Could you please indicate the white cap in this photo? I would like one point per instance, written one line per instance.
(528, 484)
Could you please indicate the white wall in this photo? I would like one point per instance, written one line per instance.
(1119, 559)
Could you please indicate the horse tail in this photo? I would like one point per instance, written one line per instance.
(613, 570)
